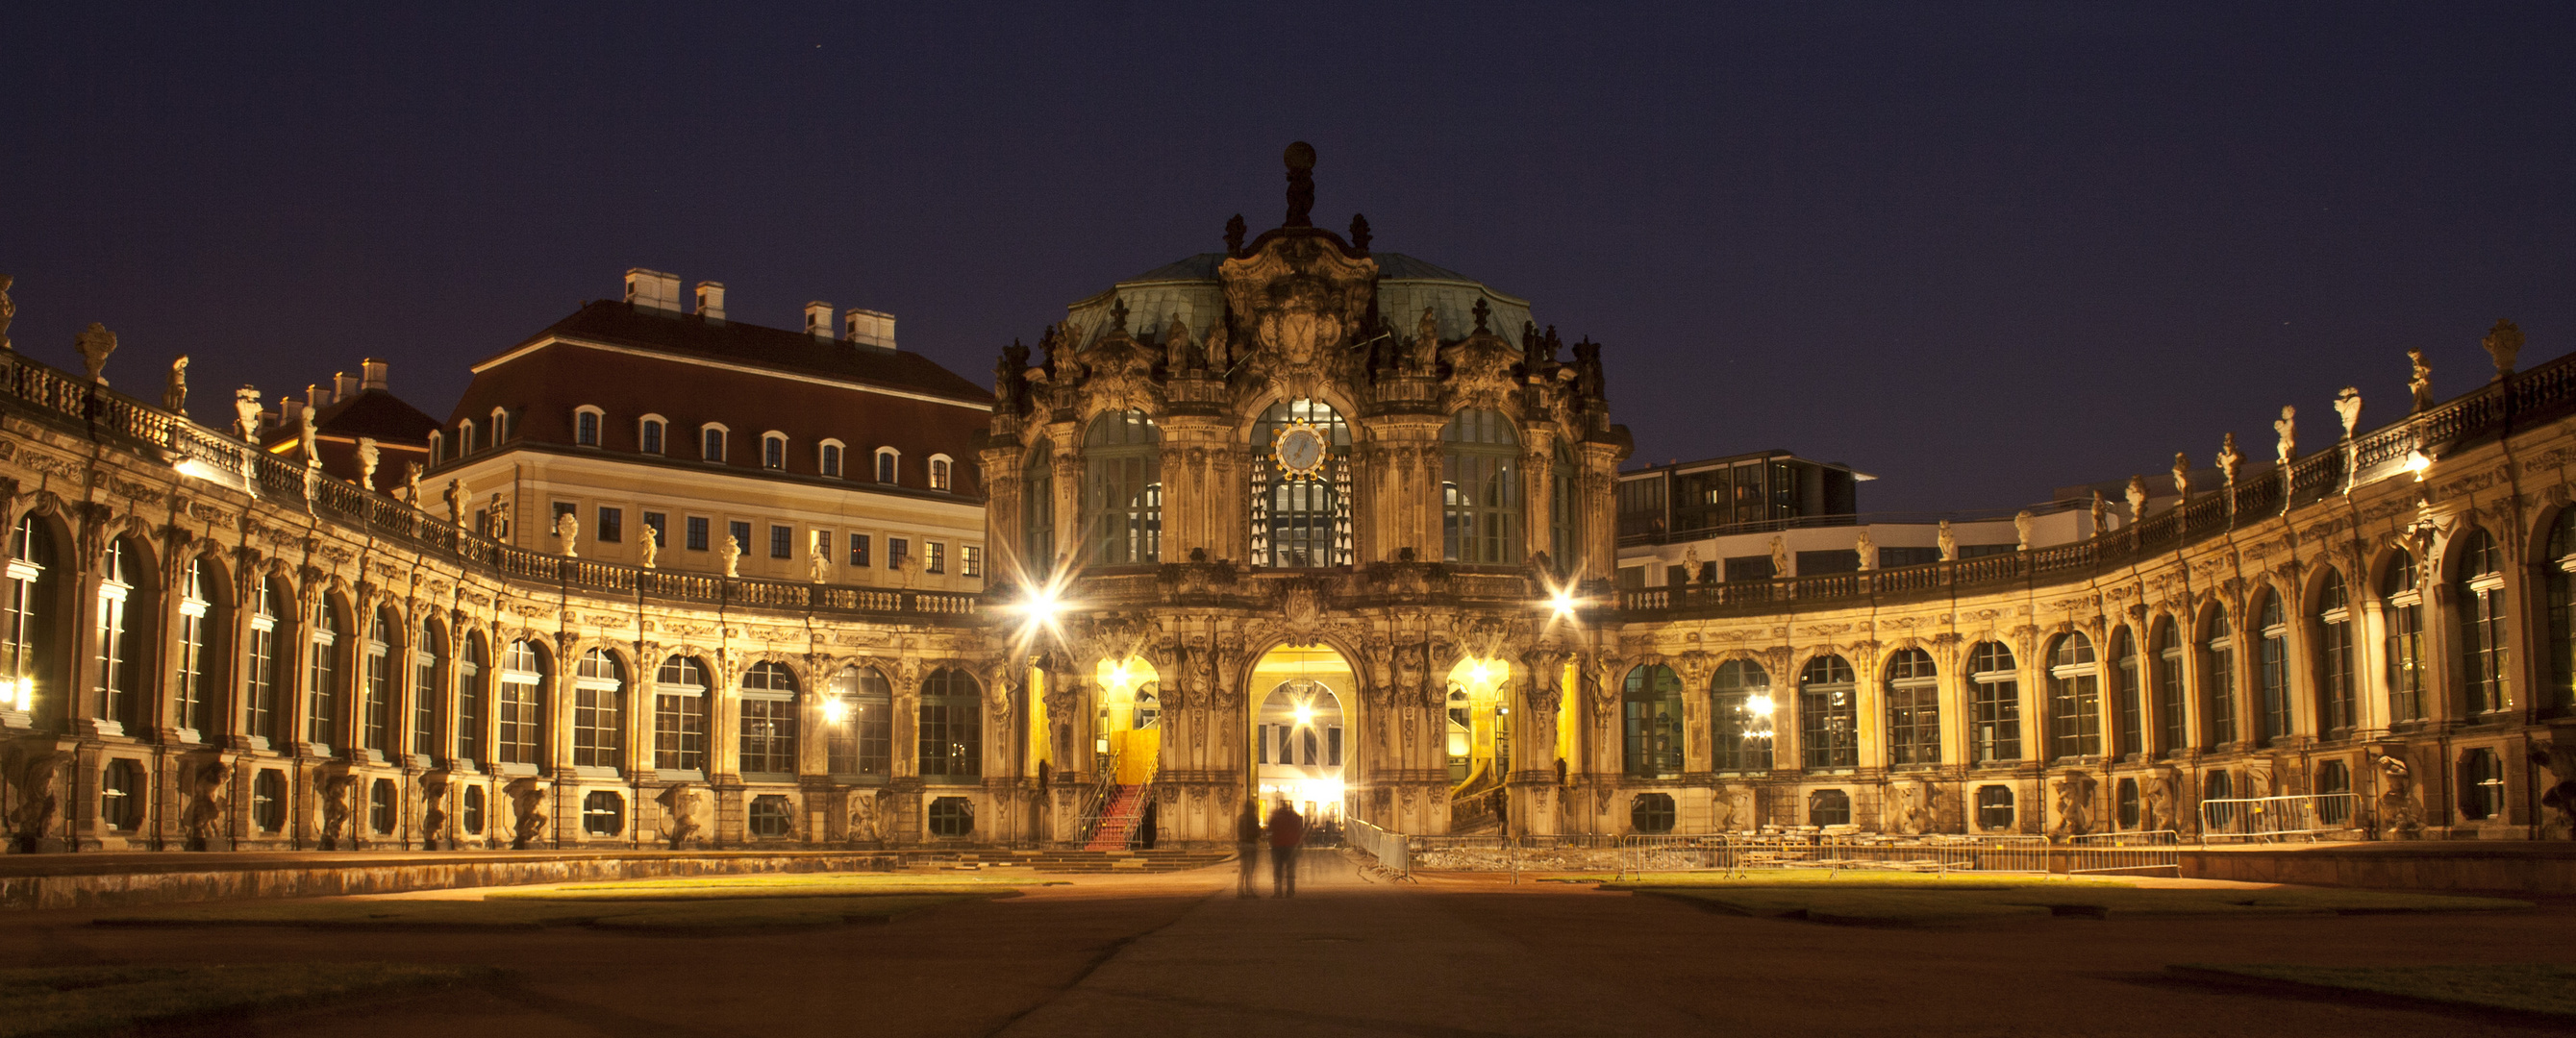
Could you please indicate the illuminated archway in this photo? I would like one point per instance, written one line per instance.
(1127, 725)
(1479, 725)
(1303, 741)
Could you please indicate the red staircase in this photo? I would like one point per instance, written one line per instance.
(1118, 819)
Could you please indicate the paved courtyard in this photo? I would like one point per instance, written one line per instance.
(1179, 954)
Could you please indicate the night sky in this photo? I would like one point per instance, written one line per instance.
(1978, 250)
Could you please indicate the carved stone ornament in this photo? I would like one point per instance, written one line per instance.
(8, 310)
(732, 555)
(2182, 472)
(2503, 343)
(2287, 428)
(2347, 405)
(1949, 540)
(2229, 459)
(174, 394)
(246, 413)
(2419, 381)
(2021, 524)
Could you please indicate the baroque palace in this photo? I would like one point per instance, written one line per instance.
(1297, 520)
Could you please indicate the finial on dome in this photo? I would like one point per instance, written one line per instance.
(1300, 158)
(1234, 235)
(1359, 232)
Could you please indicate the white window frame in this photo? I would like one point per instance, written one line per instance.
(500, 425)
(779, 439)
(598, 425)
(942, 472)
(649, 421)
(832, 458)
(464, 437)
(437, 446)
(878, 469)
(726, 449)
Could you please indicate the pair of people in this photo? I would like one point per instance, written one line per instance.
(1287, 832)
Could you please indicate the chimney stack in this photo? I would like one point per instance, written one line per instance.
(374, 374)
(343, 385)
(316, 397)
(653, 290)
(868, 328)
(818, 319)
(711, 301)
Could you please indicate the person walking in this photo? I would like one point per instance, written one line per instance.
(1247, 847)
(1287, 830)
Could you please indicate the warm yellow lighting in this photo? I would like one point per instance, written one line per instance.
(836, 710)
(21, 693)
(2417, 463)
(1561, 604)
(1305, 714)
(1759, 706)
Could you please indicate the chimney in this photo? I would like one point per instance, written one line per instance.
(653, 290)
(711, 301)
(818, 319)
(374, 374)
(869, 328)
(343, 385)
(316, 397)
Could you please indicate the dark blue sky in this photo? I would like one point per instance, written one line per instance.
(1978, 250)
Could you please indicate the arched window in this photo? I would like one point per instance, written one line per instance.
(2272, 667)
(1828, 807)
(268, 800)
(769, 721)
(1037, 512)
(2074, 698)
(121, 792)
(952, 727)
(322, 720)
(2558, 584)
(1480, 496)
(1301, 486)
(649, 433)
(1741, 704)
(1828, 714)
(1652, 704)
(2218, 682)
(585, 426)
(1122, 492)
(1913, 710)
(502, 426)
(124, 614)
(2129, 739)
(2334, 793)
(376, 685)
(380, 807)
(2482, 623)
(464, 437)
(1462, 735)
(888, 464)
(35, 673)
(437, 446)
(862, 739)
(260, 705)
(828, 459)
(680, 716)
(473, 697)
(711, 443)
(2334, 656)
(522, 709)
(773, 450)
(599, 711)
(426, 651)
(2172, 732)
(939, 474)
(201, 652)
(1564, 512)
(1994, 705)
(2130, 803)
(2401, 602)
(2481, 785)
(2217, 785)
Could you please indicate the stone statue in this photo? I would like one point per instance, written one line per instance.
(309, 438)
(2101, 514)
(37, 783)
(1217, 345)
(1868, 553)
(2398, 816)
(411, 483)
(2347, 406)
(2074, 803)
(681, 803)
(499, 511)
(909, 568)
(1426, 340)
(568, 530)
(2229, 460)
(174, 395)
(433, 811)
(1779, 556)
(455, 495)
(2137, 500)
(369, 456)
(1234, 230)
(1949, 543)
(1360, 232)
(732, 555)
(1918, 807)
(94, 346)
(2182, 474)
(818, 559)
(8, 309)
(204, 817)
(2159, 813)
(2560, 797)
(528, 802)
(652, 548)
(2503, 342)
(1300, 158)
(336, 790)
(2420, 383)
(865, 825)
(246, 413)
(2021, 525)
(2287, 428)
(1690, 563)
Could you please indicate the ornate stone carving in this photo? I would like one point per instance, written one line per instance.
(2503, 343)
(528, 810)
(94, 346)
(2399, 816)
(2347, 405)
(174, 393)
(2419, 382)
(2287, 428)
(2074, 803)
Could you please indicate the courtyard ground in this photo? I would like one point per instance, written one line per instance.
(1445, 956)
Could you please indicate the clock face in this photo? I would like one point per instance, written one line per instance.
(1299, 451)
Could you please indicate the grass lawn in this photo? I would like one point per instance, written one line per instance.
(742, 887)
(90, 999)
(615, 914)
(1918, 903)
(2541, 990)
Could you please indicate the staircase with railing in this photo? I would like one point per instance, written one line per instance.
(1116, 829)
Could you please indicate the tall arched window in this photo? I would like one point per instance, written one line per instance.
(1037, 512)
(2130, 695)
(1564, 512)
(889, 465)
(585, 426)
(2482, 624)
(1122, 493)
(322, 721)
(201, 653)
(2558, 581)
(1828, 714)
(426, 651)
(711, 443)
(473, 700)
(599, 711)
(260, 705)
(2074, 698)
(1994, 705)
(34, 613)
(2401, 603)
(2272, 667)
(862, 742)
(1301, 486)
(2334, 656)
(2218, 681)
(124, 613)
(1740, 703)
(1652, 706)
(649, 433)
(827, 459)
(2172, 730)
(1480, 496)
(952, 727)
(1913, 710)
(376, 685)
(939, 472)
(769, 721)
(773, 450)
(522, 708)
(680, 716)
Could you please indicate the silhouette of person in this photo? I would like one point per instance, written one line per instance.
(1287, 830)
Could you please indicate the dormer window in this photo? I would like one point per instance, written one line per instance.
(939, 472)
(773, 450)
(829, 463)
(711, 443)
(464, 437)
(437, 446)
(585, 425)
(886, 464)
(649, 433)
(500, 426)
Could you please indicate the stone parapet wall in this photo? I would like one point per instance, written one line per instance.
(114, 881)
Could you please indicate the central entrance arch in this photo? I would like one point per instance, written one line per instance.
(1302, 740)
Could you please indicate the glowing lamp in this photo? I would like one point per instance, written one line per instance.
(836, 710)
(1305, 715)
(1759, 706)
(2417, 462)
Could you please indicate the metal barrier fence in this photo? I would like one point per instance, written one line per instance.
(2267, 819)
(2140, 852)
(1734, 853)
(1388, 848)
